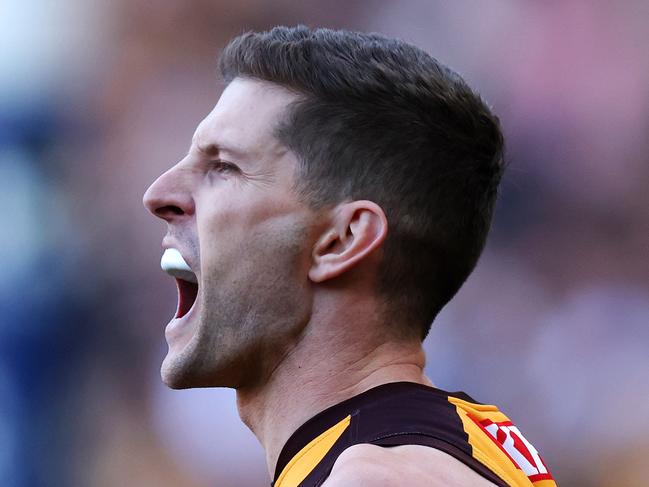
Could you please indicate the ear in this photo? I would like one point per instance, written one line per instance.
(358, 228)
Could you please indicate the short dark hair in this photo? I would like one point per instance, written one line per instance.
(380, 119)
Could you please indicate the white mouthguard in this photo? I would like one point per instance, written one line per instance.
(174, 264)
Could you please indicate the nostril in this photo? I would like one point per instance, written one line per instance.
(163, 211)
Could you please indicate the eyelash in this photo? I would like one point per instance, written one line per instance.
(223, 166)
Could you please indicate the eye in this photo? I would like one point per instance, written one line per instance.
(223, 166)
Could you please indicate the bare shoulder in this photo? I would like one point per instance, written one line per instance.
(411, 465)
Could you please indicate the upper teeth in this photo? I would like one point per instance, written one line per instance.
(174, 264)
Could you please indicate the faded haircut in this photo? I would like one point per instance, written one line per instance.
(380, 119)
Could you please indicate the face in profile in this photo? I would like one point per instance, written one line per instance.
(232, 215)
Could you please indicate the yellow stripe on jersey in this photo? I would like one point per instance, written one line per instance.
(308, 457)
(487, 450)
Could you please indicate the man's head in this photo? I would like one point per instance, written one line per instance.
(381, 120)
(328, 151)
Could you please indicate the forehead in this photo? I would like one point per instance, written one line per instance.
(244, 118)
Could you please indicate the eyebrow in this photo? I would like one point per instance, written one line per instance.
(213, 149)
(210, 150)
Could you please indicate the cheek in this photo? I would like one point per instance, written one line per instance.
(256, 299)
(228, 216)
(215, 214)
(248, 223)
(256, 267)
(252, 243)
(220, 232)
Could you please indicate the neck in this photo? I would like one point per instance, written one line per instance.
(323, 369)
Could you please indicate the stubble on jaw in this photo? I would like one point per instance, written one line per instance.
(253, 310)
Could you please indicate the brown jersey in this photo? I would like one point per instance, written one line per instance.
(405, 413)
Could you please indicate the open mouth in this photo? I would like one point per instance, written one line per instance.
(187, 292)
(174, 264)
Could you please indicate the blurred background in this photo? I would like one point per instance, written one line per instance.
(97, 98)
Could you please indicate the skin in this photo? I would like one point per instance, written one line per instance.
(287, 312)
(231, 214)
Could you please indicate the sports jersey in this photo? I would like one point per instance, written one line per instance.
(405, 413)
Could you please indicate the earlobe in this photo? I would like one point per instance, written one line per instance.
(358, 228)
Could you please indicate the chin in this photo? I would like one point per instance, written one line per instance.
(173, 380)
(177, 373)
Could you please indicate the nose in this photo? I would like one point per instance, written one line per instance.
(170, 197)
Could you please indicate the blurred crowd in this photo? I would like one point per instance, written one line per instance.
(98, 98)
